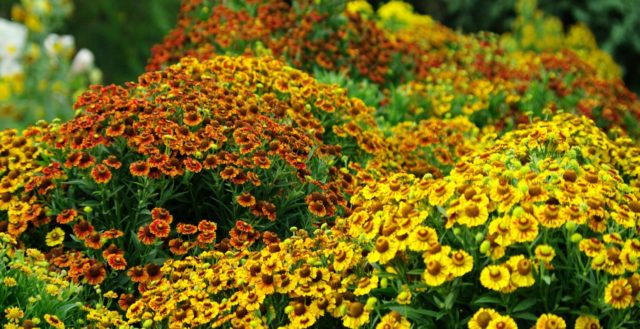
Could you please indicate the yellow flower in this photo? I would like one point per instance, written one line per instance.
(9, 281)
(550, 321)
(421, 238)
(545, 253)
(482, 318)
(55, 237)
(461, 263)
(54, 321)
(13, 313)
(618, 294)
(524, 228)
(437, 270)
(393, 320)
(587, 322)
(502, 322)
(359, 6)
(404, 297)
(521, 271)
(365, 285)
(495, 277)
(383, 251)
(356, 316)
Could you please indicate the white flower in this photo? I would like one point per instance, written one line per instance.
(82, 62)
(10, 67)
(56, 45)
(13, 37)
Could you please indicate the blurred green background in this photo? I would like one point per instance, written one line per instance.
(121, 32)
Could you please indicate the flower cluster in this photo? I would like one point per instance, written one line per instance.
(337, 166)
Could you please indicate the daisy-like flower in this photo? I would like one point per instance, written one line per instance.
(618, 294)
(461, 263)
(186, 229)
(393, 320)
(94, 241)
(160, 228)
(145, 235)
(421, 237)
(384, 250)
(54, 321)
(246, 200)
(13, 314)
(495, 277)
(437, 271)
(545, 253)
(55, 237)
(587, 322)
(139, 168)
(356, 316)
(117, 262)
(66, 216)
(95, 274)
(82, 229)
(524, 228)
(550, 321)
(482, 318)
(101, 174)
(502, 322)
(365, 284)
(521, 271)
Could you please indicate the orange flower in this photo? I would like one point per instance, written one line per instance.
(161, 214)
(117, 262)
(101, 174)
(186, 229)
(66, 216)
(246, 200)
(160, 228)
(82, 229)
(95, 274)
(139, 168)
(145, 235)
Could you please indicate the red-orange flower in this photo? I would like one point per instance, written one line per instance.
(112, 162)
(207, 226)
(145, 235)
(82, 229)
(186, 229)
(95, 274)
(139, 168)
(117, 261)
(160, 228)
(101, 174)
(137, 274)
(246, 200)
(66, 216)
(161, 214)
(94, 241)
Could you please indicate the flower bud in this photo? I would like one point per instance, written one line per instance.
(485, 246)
(384, 283)
(288, 309)
(576, 237)
(147, 323)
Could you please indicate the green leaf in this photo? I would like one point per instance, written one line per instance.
(487, 300)
(413, 313)
(525, 316)
(524, 305)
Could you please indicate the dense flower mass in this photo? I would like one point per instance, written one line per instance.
(321, 164)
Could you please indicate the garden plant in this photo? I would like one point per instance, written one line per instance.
(319, 164)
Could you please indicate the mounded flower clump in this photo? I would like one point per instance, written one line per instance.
(240, 183)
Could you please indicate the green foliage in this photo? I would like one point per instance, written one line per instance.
(121, 32)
